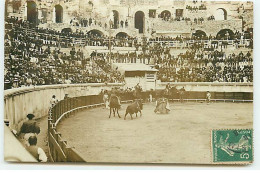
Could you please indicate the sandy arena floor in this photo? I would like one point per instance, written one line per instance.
(182, 136)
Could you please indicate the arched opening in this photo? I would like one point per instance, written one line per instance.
(66, 30)
(32, 13)
(165, 15)
(225, 34)
(139, 21)
(199, 34)
(249, 33)
(121, 35)
(58, 14)
(94, 33)
(16, 6)
(221, 14)
(116, 19)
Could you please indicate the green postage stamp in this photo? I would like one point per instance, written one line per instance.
(232, 146)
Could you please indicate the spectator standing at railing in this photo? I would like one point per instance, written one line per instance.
(126, 23)
(208, 97)
(181, 93)
(53, 101)
(90, 21)
(106, 99)
(66, 96)
(122, 23)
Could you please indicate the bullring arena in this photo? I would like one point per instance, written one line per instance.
(182, 136)
(66, 60)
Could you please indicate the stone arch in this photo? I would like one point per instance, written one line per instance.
(32, 12)
(140, 21)
(249, 33)
(98, 28)
(199, 33)
(166, 13)
(95, 32)
(115, 19)
(121, 35)
(66, 30)
(221, 14)
(58, 13)
(225, 34)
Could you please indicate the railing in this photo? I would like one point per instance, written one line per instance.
(69, 41)
(186, 43)
(59, 149)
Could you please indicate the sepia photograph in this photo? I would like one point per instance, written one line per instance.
(129, 82)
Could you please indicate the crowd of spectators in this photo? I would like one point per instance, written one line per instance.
(94, 39)
(30, 60)
(206, 66)
(199, 63)
(67, 38)
(196, 8)
(37, 56)
(87, 22)
(102, 60)
(237, 37)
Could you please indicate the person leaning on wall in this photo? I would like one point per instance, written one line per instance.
(28, 129)
(36, 151)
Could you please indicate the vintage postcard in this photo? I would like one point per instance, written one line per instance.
(129, 81)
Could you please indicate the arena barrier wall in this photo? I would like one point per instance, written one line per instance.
(19, 102)
(210, 86)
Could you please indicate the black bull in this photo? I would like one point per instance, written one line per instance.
(135, 107)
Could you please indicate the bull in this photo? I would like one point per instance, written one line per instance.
(135, 107)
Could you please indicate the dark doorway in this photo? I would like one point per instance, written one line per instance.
(152, 13)
(32, 13)
(139, 21)
(200, 34)
(94, 33)
(116, 19)
(179, 13)
(58, 14)
(121, 35)
(66, 30)
(221, 14)
(225, 34)
(166, 15)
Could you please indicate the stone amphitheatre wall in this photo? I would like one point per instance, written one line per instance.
(21, 101)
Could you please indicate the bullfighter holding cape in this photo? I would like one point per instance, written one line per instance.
(162, 106)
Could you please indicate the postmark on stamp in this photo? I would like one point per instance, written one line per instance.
(232, 146)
